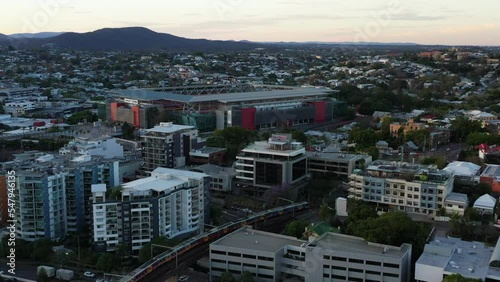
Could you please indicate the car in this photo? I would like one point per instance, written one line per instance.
(88, 274)
(183, 278)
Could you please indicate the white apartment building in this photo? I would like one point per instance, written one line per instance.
(168, 203)
(331, 257)
(168, 145)
(407, 187)
(278, 161)
(105, 147)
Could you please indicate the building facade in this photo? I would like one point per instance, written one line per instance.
(406, 187)
(169, 203)
(54, 191)
(276, 162)
(210, 107)
(331, 257)
(168, 145)
(340, 164)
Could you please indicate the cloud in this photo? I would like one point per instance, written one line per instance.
(469, 28)
(413, 16)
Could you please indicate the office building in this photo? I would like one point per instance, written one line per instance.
(169, 203)
(331, 257)
(339, 164)
(280, 161)
(407, 187)
(168, 145)
(447, 256)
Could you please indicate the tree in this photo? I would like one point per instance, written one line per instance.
(128, 131)
(152, 117)
(459, 278)
(42, 249)
(462, 155)
(420, 137)
(296, 228)
(86, 115)
(42, 276)
(108, 262)
(373, 151)
(227, 277)
(463, 126)
(324, 212)
(233, 138)
(246, 276)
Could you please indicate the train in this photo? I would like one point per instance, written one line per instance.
(213, 234)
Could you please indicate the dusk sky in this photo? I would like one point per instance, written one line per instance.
(452, 22)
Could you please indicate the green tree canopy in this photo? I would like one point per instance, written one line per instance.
(108, 262)
(81, 117)
(233, 138)
(227, 277)
(296, 228)
(477, 138)
(42, 249)
(459, 278)
(246, 276)
(463, 126)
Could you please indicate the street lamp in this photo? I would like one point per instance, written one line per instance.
(156, 245)
(62, 259)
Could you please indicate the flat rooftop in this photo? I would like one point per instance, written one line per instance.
(247, 238)
(153, 183)
(152, 95)
(491, 171)
(263, 147)
(457, 256)
(334, 156)
(351, 244)
(168, 127)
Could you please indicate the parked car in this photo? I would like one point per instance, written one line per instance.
(89, 274)
(183, 278)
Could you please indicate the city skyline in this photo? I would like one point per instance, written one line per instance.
(426, 22)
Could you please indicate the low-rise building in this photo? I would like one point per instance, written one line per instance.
(331, 257)
(447, 256)
(221, 177)
(208, 155)
(340, 164)
(105, 147)
(411, 125)
(491, 176)
(407, 187)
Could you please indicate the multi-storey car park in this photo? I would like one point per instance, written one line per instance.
(210, 107)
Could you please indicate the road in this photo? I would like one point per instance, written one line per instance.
(23, 270)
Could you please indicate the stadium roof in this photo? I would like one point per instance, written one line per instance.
(151, 95)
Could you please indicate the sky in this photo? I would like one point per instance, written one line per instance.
(450, 22)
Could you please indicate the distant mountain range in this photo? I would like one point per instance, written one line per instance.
(143, 39)
(124, 39)
(35, 35)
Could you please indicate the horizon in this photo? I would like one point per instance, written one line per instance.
(375, 21)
